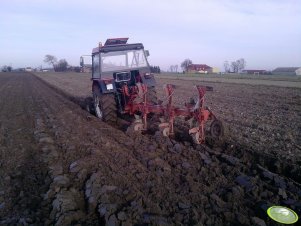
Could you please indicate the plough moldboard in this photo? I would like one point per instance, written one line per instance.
(194, 111)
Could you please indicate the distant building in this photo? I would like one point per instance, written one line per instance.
(47, 69)
(199, 68)
(254, 72)
(287, 71)
(28, 69)
(215, 70)
(298, 71)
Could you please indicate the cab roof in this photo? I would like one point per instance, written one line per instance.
(116, 41)
(116, 44)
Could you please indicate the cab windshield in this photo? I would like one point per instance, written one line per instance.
(122, 60)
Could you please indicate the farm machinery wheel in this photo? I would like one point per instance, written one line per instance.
(136, 127)
(216, 129)
(152, 95)
(105, 106)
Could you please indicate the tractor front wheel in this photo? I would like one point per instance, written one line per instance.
(105, 106)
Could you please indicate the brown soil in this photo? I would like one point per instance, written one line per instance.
(62, 166)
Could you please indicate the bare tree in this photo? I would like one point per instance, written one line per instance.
(173, 68)
(49, 59)
(61, 65)
(185, 64)
(226, 66)
(236, 66)
(241, 64)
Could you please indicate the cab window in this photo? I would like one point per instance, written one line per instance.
(96, 65)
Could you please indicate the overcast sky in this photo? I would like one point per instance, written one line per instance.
(267, 33)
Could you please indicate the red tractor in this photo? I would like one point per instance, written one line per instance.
(124, 85)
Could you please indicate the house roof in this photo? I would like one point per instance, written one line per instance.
(286, 69)
(199, 67)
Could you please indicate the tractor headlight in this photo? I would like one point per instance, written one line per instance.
(109, 86)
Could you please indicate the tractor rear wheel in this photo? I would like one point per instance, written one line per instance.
(152, 95)
(105, 106)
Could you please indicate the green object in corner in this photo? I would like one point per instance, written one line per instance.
(282, 214)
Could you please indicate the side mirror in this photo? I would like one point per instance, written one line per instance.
(146, 53)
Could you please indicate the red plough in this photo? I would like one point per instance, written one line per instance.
(196, 112)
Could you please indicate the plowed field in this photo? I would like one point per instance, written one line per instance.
(59, 165)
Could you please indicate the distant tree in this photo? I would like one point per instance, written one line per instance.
(61, 65)
(241, 64)
(77, 69)
(227, 66)
(238, 65)
(4, 68)
(158, 70)
(234, 67)
(152, 69)
(171, 68)
(155, 69)
(176, 68)
(185, 64)
(49, 59)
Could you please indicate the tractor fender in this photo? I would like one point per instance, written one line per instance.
(105, 86)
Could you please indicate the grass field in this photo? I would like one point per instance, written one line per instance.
(269, 80)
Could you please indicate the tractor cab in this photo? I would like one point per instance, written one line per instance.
(118, 69)
(119, 61)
